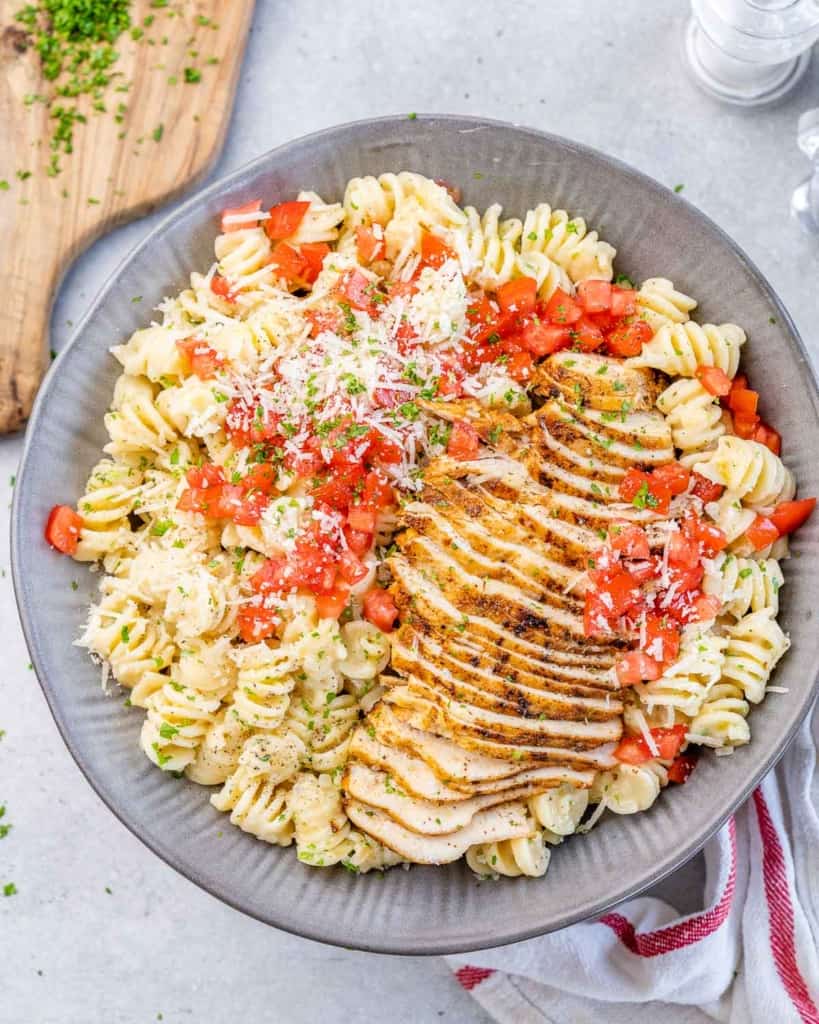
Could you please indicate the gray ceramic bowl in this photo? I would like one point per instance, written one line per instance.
(425, 910)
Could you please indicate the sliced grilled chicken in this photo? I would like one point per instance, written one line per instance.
(497, 694)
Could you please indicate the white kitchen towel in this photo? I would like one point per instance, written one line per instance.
(748, 957)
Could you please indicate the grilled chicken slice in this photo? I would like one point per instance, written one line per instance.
(506, 821)
(497, 694)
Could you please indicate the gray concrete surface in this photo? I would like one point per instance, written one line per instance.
(154, 947)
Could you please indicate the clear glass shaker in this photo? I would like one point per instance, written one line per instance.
(750, 52)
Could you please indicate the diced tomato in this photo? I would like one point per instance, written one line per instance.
(256, 622)
(662, 638)
(744, 426)
(680, 771)
(275, 576)
(632, 750)
(62, 529)
(434, 250)
(378, 492)
(482, 315)
(632, 483)
(586, 335)
(541, 339)
(519, 366)
(221, 286)
(518, 296)
(313, 568)
(617, 590)
(464, 441)
(285, 219)
(705, 608)
(449, 386)
(715, 381)
(683, 551)
(711, 537)
(358, 541)
(687, 579)
(200, 358)
(330, 606)
(635, 750)
(594, 296)
(706, 490)
(741, 399)
(237, 211)
(670, 740)
(379, 609)
(595, 616)
(243, 510)
(361, 519)
(762, 532)
(623, 301)
(287, 263)
(261, 477)
(323, 320)
(645, 569)
(358, 290)
(206, 475)
(562, 309)
(368, 245)
(630, 541)
(350, 568)
(337, 489)
(769, 437)
(628, 339)
(674, 475)
(643, 490)
(790, 515)
(637, 666)
(312, 254)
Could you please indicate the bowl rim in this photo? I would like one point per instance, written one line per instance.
(271, 917)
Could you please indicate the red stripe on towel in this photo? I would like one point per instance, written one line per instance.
(692, 929)
(780, 914)
(469, 976)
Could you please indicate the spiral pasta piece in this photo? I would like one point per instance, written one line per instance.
(266, 679)
(749, 470)
(721, 722)
(659, 303)
(693, 414)
(744, 584)
(678, 349)
(135, 424)
(137, 646)
(112, 493)
(559, 810)
(176, 722)
(684, 685)
(325, 729)
(755, 645)
(629, 788)
(368, 650)
(324, 835)
(217, 756)
(528, 856)
(256, 793)
(151, 352)
(568, 242)
(320, 222)
(243, 258)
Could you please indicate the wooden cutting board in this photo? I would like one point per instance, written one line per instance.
(167, 138)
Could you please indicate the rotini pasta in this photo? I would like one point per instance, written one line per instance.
(694, 415)
(390, 489)
(749, 470)
(678, 349)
